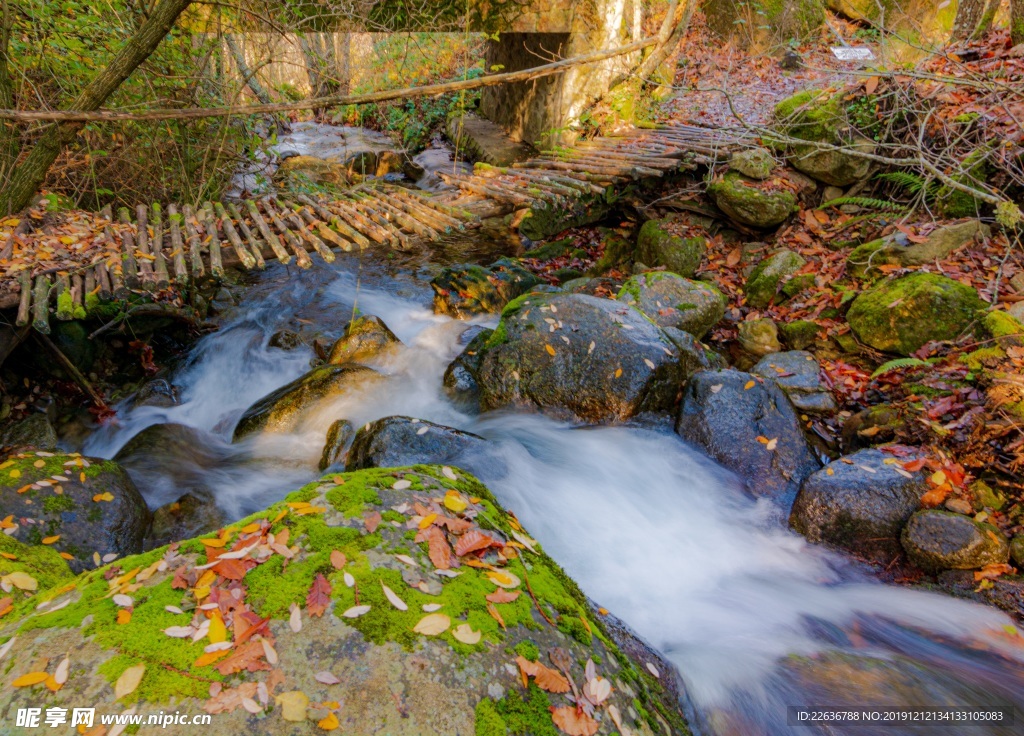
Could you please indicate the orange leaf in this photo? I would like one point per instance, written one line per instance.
(319, 596)
(338, 559)
(495, 615)
(438, 549)
(573, 722)
(230, 569)
(371, 521)
(124, 616)
(475, 540)
(32, 678)
(871, 85)
(210, 658)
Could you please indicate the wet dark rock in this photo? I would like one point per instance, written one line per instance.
(791, 61)
(941, 540)
(159, 392)
(190, 516)
(798, 374)
(672, 301)
(1006, 591)
(467, 289)
(724, 418)
(336, 444)
(285, 340)
(395, 441)
(1017, 550)
(859, 506)
(460, 376)
(281, 410)
(365, 338)
(34, 431)
(872, 426)
(580, 356)
(84, 526)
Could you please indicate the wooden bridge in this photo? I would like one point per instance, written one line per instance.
(155, 247)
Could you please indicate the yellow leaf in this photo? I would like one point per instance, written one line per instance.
(453, 501)
(250, 528)
(128, 681)
(618, 372)
(293, 705)
(503, 579)
(427, 520)
(311, 510)
(551, 350)
(432, 624)
(32, 678)
(39, 463)
(81, 477)
(52, 684)
(7, 522)
(105, 496)
(51, 540)
(218, 631)
(8, 556)
(66, 239)
(749, 385)
(214, 542)
(329, 722)
(829, 471)
(66, 555)
(15, 473)
(938, 478)
(124, 616)
(21, 580)
(210, 657)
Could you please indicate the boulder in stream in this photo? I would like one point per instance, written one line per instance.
(336, 443)
(281, 410)
(78, 506)
(580, 356)
(672, 301)
(33, 432)
(394, 441)
(747, 425)
(328, 605)
(365, 338)
(941, 540)
(460, 375)
(466, 289)
(798, 374)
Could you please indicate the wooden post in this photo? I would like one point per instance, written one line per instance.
(25, 298)
(130, 266)
(212, 241)
(163, 278)
(40, 305)
(177, 246)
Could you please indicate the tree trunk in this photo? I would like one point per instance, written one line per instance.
(343, 64)
(968, 13)
(27, 177)
(8, 130)
(1017, 21)
(986, 20)
(248, 75)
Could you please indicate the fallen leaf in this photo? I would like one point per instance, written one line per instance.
(32, 678)
(355, 611)
(597, 690)
(327, 678)
(60, 675)
(453, 501)
(338, 559)
(503, 579)
(573, 722)
(432, 624)
(293, 705)
(473, 541)
(503, 596)
(393, 598)
(371, 521)
(329, 722)
(431, 607)
(124, 616)
(749, 385)
(495, 615)
(105, 496)
(551, 350)
(465, 634)
(128, 681)
(438, 549)
(21, 580)
(319, 596)
(295, 619)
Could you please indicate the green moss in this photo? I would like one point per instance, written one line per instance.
(976, 359)
(528, 650)
(810, 115)
(42, 563)
(56, 504)
(26, 472)
(1002, 326)
(488, 722)
(522, 714)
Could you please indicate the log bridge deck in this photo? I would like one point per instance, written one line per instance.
(157, 247)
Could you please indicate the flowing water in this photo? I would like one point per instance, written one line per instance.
(754, 618)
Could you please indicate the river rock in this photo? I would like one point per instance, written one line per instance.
(285, 340)
(33, 432)
(672, 301)
(872, 426)
(1005, 592)
(159, 393)
(940, 540)
(816, 117)
(898, 249)
(447, 686)
(460, 376)
(189, 516)
(724, 412)
(858, 503)
(756, 163)
(799, 334)
(81, 524)
(577, 355)
(281, 410)
(750, 202)
(299, 170)
(768, 276)
(336, 444)
(759, 337)
(592, 286)
(657, 245)
(466, 289)
(365, 338)
(394, 441)
(798, 374)
(901, 315)
(1017, 550)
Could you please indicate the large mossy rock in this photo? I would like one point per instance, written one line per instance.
(818, 118)
(673, 301)
(725, 412)
(941, 540)
(865, 259)
(859, 503)
(395, 441)
(656, 245)
(769, 275)
(901, 315)
(312, 638)
(80, 505)
(365, 338)
(751, 202)
(580, 356)
(33, 432)
(466, 289)
(283, 409)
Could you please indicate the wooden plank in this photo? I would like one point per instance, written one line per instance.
(250, 236)
(268, 235)
(174, 220)
(25, 298)
(195, 246)
(302, 259)
(129, 264)
(65, 307)
(41, 306)
(212, 241)
(236, 242)
(156, 248)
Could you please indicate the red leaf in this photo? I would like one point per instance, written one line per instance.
(475, 540)
(319, 596)
(371, 520)
(230, 569)
(439, 550)
(247, 657)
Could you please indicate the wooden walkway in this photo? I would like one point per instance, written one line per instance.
(155, 247)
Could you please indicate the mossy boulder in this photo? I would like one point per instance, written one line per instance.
(759, 337)
(897, 249)
(1017, 550)
(941, 540)
(901, 315)
(282, 410)
(858, 503)
(657, 245)
(757, 163)
(33, 432)
(464, 290)
(394, 441)
(80, 506)
(543, 219)
(43, 564)
(768, 277)
(817, 117)
(673, 301)
(313, 636)
(1005, 328)
(365, 338)
(799, 334)
(725, 412)
(750, 202)
(580, 356)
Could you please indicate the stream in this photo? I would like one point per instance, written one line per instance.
(754, 618)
